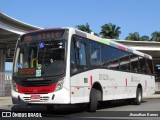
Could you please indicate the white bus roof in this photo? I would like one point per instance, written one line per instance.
(108, 42)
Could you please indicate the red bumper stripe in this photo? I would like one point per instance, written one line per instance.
(36, 89)
(126, 82)
(91, 80)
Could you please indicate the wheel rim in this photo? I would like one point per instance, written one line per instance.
(139, 97)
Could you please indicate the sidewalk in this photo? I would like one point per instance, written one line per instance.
(5, 101)
(156, 95)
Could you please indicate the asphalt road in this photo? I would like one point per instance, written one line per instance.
(115, 110)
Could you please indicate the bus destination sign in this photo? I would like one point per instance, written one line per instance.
(47, 35)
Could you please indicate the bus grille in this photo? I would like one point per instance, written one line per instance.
(36, 83)
(42, 99)
(36, 89)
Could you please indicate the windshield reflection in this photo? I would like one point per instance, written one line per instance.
(43, 58)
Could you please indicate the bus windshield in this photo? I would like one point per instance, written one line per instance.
(40, 58)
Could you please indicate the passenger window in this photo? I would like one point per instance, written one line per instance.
(124, 61)
(73, 55)
(112, 60)
(143, 68)
(78, 53)
(149, 66)
(103, 56)
(78, 56)
(95, 58)
(134, 61)
(82, 54)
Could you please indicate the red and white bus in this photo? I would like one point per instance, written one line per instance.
(68, 66)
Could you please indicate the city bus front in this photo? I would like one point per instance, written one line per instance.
(39, 69)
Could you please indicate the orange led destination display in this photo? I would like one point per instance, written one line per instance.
(26, 71)
(43, 35)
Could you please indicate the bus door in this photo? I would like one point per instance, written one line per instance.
(79, 74)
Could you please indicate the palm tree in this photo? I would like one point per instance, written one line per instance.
(85, 28)
(133, 37)
(155, 36)
(110, 31)
(136, 37)
(144, 38)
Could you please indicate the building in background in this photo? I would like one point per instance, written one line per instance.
(10, 30)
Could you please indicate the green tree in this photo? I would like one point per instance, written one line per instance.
(144, 38)
(133, 37)
(85, 28)
(136, 37)
(155, 36)
(110, 31)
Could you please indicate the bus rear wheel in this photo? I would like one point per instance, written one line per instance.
(138, 99)
(93, 100)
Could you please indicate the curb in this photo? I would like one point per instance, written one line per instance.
(153, 96)
(5, 97)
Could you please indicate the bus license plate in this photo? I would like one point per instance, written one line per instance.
(35, 97)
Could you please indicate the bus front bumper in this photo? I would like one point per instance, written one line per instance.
(59, 97)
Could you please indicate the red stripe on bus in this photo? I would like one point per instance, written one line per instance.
(91, 80)
(145, 83)
(122, 48)
(126, 82)
(36, 89)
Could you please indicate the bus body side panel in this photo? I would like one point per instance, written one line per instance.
(122, 85)
(115, 84)
(82, 83)
(80, 87)
(148, 85)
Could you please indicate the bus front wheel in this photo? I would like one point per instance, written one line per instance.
(93, 101)
(138, 99)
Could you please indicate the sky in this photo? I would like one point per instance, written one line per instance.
(131, 15)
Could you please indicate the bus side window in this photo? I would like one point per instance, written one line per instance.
(149, 66)
(82, 54)
(73, 56)
(95, 55)
(134, 62)
(103, 56)
(143, 68)
(78, 56)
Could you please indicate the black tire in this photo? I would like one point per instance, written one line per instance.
(50, 108)
(138, 99)
(93, 101)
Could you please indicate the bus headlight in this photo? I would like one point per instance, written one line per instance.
(14, 86)
(59, 85)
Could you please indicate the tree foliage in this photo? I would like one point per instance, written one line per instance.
(144, 38)
(155, 36)
(110, 31)
(133, 37)
(85, 28)
(136, 37)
